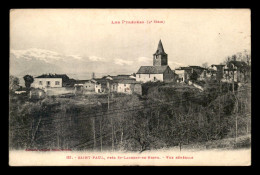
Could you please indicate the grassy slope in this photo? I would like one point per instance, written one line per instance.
(223, 144)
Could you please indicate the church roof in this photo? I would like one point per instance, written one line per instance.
(160, 50)
(152, 69)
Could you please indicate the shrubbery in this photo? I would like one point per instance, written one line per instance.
(169, 116)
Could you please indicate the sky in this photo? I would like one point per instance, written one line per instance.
(189, 37)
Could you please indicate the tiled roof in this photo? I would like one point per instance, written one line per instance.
(197, 67)
(220, 65)
(152, 69)
(238, 64)
(99, 80)
(184, 68)
(211, 70)
(129, 81)
(63, 76)
(118, 77)
(83, 81)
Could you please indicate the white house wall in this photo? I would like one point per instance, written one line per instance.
(149, 77)
(181, 74)
(36, 83)
(124, 88)
(98, 88)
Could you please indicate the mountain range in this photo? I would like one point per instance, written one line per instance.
(36, 61)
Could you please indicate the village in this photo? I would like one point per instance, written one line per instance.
(147, 86)
(234, 71)
(155, 107)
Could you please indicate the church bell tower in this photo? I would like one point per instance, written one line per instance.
(160, 58)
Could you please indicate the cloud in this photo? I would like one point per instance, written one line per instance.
(144, 59)
(42, 54)
(95, 58)
(176, 63)
(122, 62)
(35, 53)
(77, 57)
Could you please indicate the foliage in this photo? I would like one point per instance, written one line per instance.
(169, 116)
(13, 83)
(28, 79)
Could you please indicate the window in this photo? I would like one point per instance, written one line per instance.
(124, 84)
(40, 82)
(154, 78)
(57, 83)
(48, 83)
(149, 75)
(139, 75)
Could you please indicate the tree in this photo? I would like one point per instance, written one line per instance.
(13, 83)
(28, 79)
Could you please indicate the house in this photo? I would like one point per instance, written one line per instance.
(160, 71)
(183, 74)
(211, 73)
(238, 71)
(98, 88)
(219, 68)
(101, 85)
(129, 86)
(109, 83)
(114, 80)
(200, 71)
(50, 81)
(85, 85)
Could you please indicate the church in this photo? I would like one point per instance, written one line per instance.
(160, 71)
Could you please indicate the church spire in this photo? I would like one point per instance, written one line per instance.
(160, 58)
(160, 49)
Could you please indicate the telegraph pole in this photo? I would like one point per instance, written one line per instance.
(108, 95)
(108, 101)
(112, 139)
(233, 88)
(94, 132)
(100, 128)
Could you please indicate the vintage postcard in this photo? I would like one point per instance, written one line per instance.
(130, 87)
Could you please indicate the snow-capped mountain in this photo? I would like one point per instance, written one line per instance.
(36, 61)
(39, 61)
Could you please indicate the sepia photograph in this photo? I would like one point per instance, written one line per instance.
(130, 87)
